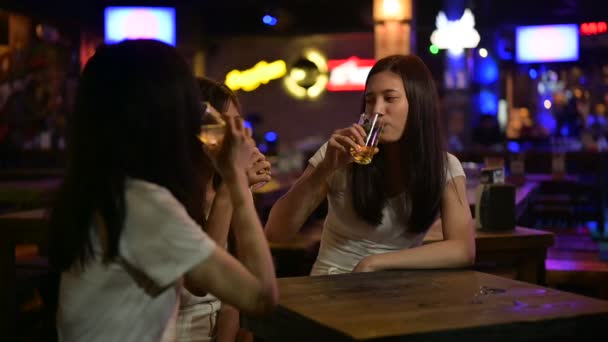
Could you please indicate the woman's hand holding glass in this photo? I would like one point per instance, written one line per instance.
(343, 144)
(232, 155)
(213, 128)
(372, 123)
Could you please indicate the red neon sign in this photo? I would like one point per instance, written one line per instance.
(348, 74)
(593, 28)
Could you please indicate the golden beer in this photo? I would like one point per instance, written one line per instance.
(212, 135)
(373, 128)
(364, 155)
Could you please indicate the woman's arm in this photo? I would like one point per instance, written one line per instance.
(290, 212)
(217, 227)
(227, 324)
(220, 215)
(249, 285)
(456, 250)
(219, 221)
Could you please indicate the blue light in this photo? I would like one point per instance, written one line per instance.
(533, 74)
(487, 102)
(503, 51)
(270, 136)
(269, 20)
(247, 124)
(593, 226)
(486, 71)
(565, 131)
(513, 146)
(263, 147)
(546, 120)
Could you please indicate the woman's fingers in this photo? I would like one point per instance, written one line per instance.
(333, 143)
(361, 132)
(347, 142)
(260, 177)
(248, 132)
(355, 132)
(263, 166)
(259, 172)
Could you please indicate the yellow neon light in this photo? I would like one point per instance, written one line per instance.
(261, 73)
(318, 60)
(294, 89)
(318, 87)
(297, 74)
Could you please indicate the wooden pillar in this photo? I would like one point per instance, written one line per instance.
(393, 30)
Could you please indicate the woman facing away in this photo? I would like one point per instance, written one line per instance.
(126, 228)
(206, 318)
(379, 213)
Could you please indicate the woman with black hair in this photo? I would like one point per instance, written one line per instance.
(126, 233)
(206, 318)
(379, 213)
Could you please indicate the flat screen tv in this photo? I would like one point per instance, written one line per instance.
(139, 23)
(547, 43)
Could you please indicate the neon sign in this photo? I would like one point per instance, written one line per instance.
(593, 28)
(348, 74)
(261, 73)
(296, 74)
(457, 35)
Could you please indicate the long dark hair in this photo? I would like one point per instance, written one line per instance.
(217, 94)
(423, 151)
(137, 115)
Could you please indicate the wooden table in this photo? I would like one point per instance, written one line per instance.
(23, 226)
(437, 305)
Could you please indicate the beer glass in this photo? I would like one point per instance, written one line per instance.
(372, 124)
(213, 128)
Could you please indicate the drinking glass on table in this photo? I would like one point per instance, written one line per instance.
(372, 124)
(213, 128)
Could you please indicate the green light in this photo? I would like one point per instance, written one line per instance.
(434, 49)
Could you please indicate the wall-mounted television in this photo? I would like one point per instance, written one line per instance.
(139, 23)
(547, 43)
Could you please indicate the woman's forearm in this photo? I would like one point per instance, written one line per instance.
(441, 254)
(290, 212)
(227, 324)
(220, 215)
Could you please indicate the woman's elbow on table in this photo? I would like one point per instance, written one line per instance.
(468, 253)
(463, 252)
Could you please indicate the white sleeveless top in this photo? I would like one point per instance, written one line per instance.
(347, 239)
